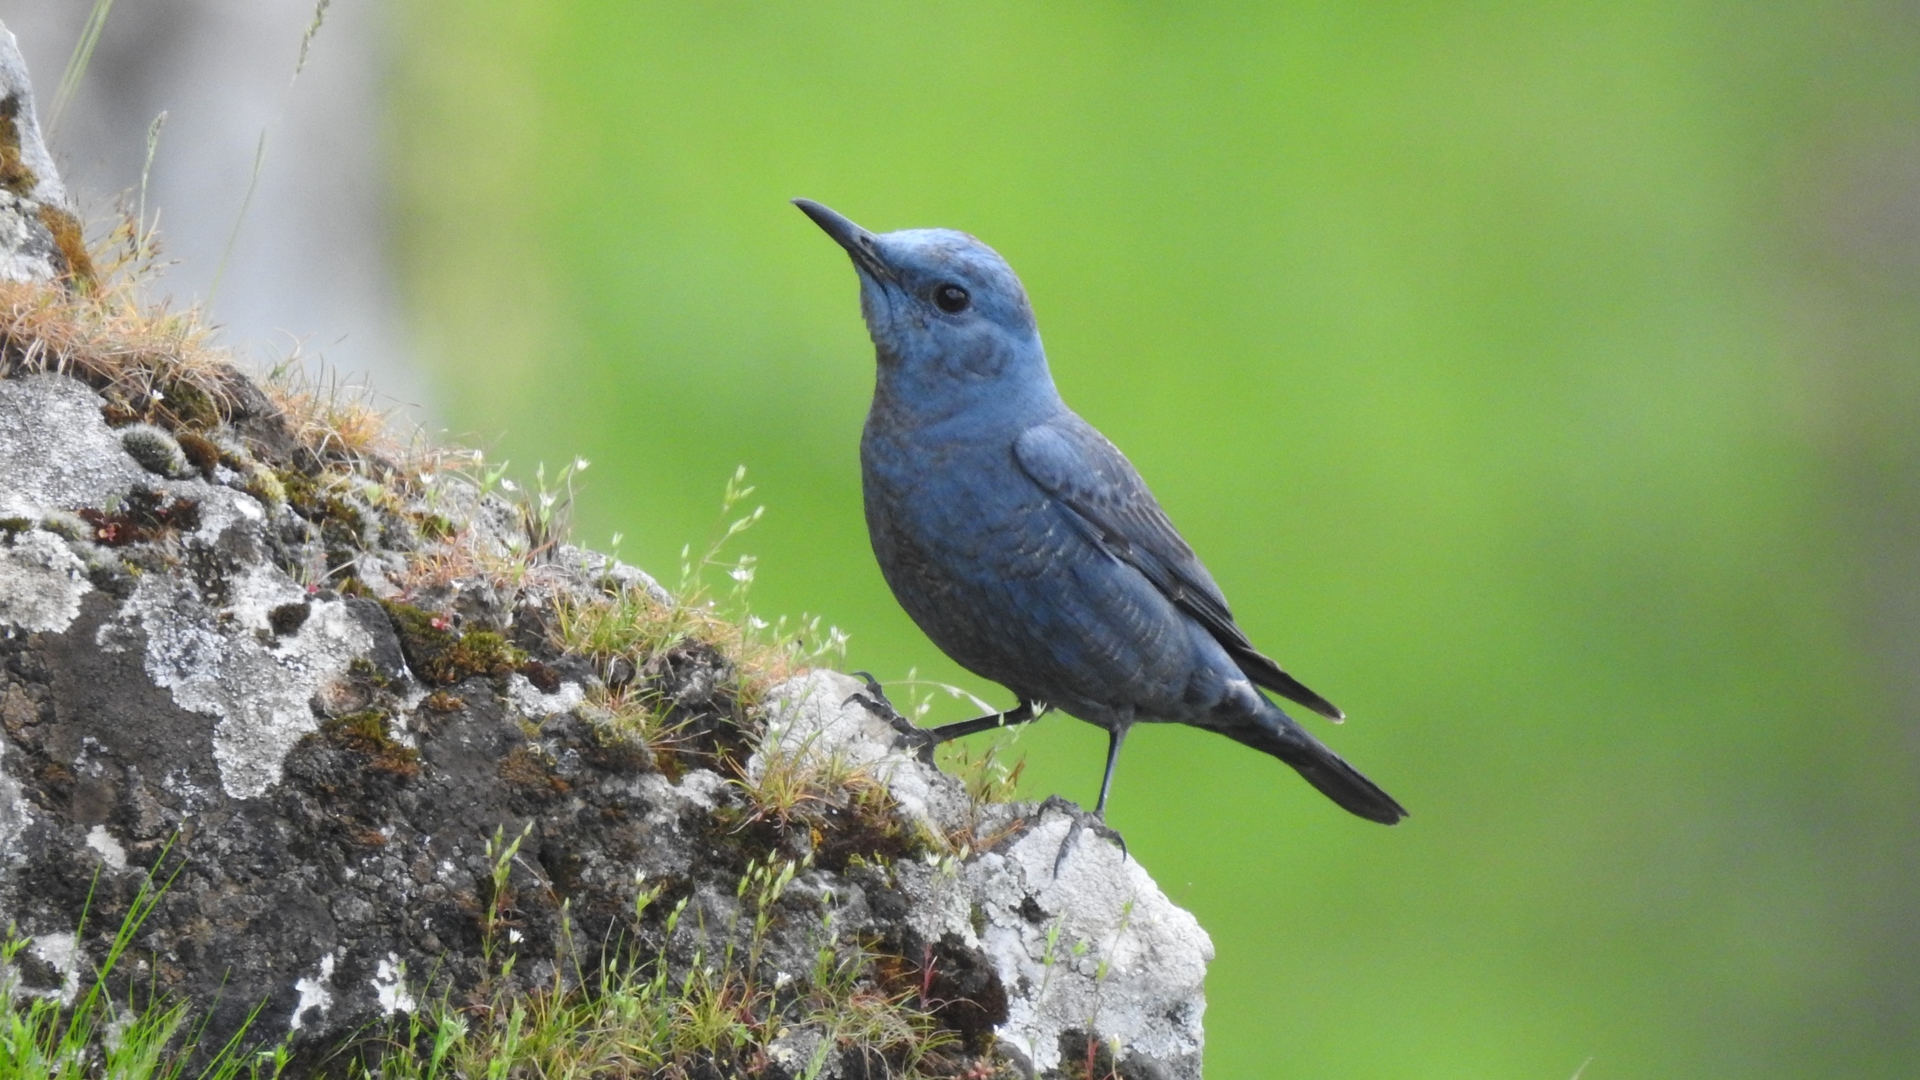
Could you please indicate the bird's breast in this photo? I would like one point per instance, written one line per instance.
(963, 507)
(998, 575)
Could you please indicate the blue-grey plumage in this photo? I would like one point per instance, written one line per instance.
(1023, 543)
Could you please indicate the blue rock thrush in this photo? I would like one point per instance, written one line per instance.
(1022, 541)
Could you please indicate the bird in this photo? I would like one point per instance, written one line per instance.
(1026, 545)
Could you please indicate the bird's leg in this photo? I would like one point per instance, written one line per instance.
(1115, 737)
(925, 739)
(929, 738)
(1019, 714)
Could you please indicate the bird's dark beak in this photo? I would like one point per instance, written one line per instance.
(858, 241)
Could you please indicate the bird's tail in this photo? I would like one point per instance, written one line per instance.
(1277, 734)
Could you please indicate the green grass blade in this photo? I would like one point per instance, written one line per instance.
(77, 63)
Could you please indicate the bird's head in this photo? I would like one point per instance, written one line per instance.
(944, 309)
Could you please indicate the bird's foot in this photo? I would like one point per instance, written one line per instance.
(874, 700)
(1082, 820)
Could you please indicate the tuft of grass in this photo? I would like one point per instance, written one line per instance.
(630, 628)
(721, 1016)
(546, 509)
(800, 784)
(42, 1038)
(638, 718)
(337, 420)
(152, 364)
(158, 365)
(857, 1013)
(986, 772)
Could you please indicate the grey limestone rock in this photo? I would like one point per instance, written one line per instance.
(41, 582)
(40, 238)
(181, 686)
(59, 452)
(1097, 948)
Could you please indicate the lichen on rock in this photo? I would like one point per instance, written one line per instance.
(56, 450)
(41, 581)
(207, 671)
(40, 238)
(1096, 948)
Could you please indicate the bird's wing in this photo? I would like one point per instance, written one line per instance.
(1077, 466)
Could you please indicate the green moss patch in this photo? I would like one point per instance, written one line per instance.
(368, 732)
(526, 767)
(14, 174)
(189, 405)
(442, 655)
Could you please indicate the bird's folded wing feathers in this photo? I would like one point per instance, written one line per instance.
(1088, 475)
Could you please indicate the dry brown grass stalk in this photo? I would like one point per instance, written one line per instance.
(134, 353)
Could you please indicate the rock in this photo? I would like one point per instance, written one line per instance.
(40, 238)
(41, 581)
(56, 451)
(334, 778)
(1097, 948)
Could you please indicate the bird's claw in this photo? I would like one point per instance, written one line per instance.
(874, 700)
(1082, 820)
(1066, 845)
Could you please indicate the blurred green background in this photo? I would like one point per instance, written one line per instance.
(1538, 379)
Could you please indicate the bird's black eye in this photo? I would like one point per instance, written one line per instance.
(951, 299)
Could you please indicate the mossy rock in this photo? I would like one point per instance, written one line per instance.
(442, 655)
(369, 732)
